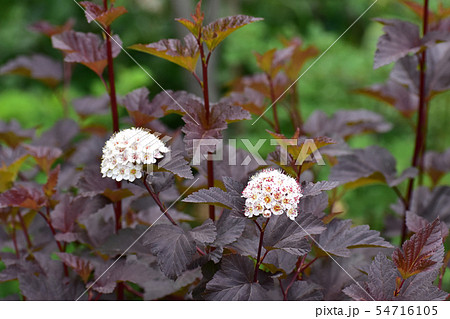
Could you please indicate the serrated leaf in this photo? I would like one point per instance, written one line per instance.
(314, 205)
(217, 31)
(399, 39)
(299, 57)
(23, 195)
(199, 128)
(424, 251)
(198, 16)
(140, 108)
(283, 233)
(60, 135)
(48, 29)
(380, 284)
(437, 164)
(91, 105)
(394, 94)
(132, 270)
(81, 266)
(278, 260)
(340, 237)
(173, 50)
(229, 229)
(204, 234)
(104, 17)
(86, 48)
(250, 100)
(344, 124)
(12, 133)
(215, 196)
(369, 165)
(37, 66)
(234, 281)
(45, 156)
(66, 212)
(175, 163)
(173, 246)
(406, 70)
(314, 189)
(305, 291)
(161, 181)
(304, 146)
(420, 287)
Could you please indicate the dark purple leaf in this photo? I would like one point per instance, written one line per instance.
(340, 237)
(395, 94)
(161, 181)
(81, 266)
(428, 205)
(204, 234)
(132, 270)
(37, 67)
(380, 284)
(420, 288)
(314, 189)
(67, 211)
(249, 99)
(24, 195)
(99, 14)
(369, 165)
(234, 281)
(12, 133)
(305, 291)
(231, 199)
(48, 29)
(175, 163)
(292, 237)
(279, 260)
(174, 247)
(399, 39)
(229, 228)
(91, 105)
(60, 135)
(45, 156)
(140, 108)
(437, 164)
(86, 48)
(406, 70)
(345, 123)
(314, 205)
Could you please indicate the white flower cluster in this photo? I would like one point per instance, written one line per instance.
(126, 153)
(271, 192)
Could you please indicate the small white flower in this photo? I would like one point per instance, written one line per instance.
(126, 153)
(271, 192)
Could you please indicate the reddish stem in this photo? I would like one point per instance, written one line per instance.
(157, 200)
(133, 291)
(258, 258)
(421, 122)
(114, 112)
(52, 229)
(210, 164)
(274, 104)
(14, 239)
(25, 230)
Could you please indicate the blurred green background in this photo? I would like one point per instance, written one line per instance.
(328, 85)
